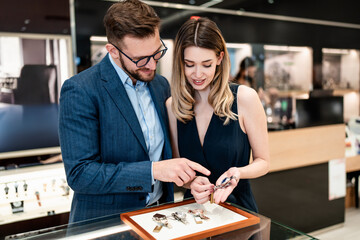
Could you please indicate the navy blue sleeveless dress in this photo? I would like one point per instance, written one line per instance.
(224, 146)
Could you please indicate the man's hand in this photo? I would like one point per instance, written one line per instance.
(177, 170)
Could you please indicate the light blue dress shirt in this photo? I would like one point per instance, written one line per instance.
(144, 108)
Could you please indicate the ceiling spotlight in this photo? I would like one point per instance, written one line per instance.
(271, 1)
(192, 2)
(27, 21)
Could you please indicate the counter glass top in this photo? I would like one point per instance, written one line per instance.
(112, 227)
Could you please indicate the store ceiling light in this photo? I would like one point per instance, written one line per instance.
(335, 51)
(285, 48)
(98, 39)
(211, 3)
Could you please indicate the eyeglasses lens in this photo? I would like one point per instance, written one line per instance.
(142, 62)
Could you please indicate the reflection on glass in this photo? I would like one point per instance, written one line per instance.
(32, 70)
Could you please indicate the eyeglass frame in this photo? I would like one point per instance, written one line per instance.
(148, 57)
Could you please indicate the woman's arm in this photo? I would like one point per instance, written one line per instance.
(252, 120)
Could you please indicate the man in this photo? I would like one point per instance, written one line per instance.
(113, 125)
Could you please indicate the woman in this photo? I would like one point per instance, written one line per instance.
(246, 74)
(211, 122)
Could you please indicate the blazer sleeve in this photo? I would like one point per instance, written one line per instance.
(79, 132)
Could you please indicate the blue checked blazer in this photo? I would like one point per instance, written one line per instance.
(103, 148)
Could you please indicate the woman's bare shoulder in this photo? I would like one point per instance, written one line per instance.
(246, 95)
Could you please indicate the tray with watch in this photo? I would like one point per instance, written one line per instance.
(187, 220)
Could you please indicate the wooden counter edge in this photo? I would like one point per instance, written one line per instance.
(303, 147)
(353, 163)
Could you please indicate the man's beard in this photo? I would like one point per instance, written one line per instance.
(136, 74)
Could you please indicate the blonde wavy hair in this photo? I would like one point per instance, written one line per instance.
(202, 33)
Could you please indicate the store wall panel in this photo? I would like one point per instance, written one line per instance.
(299, 198)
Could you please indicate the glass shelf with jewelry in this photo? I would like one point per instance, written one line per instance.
(33, 192)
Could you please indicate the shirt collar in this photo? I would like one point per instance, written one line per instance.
(125, 79)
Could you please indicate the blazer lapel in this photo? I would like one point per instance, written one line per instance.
(116, 90)
(158, 104)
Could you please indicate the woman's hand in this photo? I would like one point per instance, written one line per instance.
(201, 188)
(220, 195)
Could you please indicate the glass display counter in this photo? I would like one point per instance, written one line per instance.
(33, 192)
(112, 227)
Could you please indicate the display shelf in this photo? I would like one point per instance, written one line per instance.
(293, 93)
(33, 192)
(342, 92)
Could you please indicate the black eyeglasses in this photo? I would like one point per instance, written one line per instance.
(143, 61)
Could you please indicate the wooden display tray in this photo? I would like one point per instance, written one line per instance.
(140, 220)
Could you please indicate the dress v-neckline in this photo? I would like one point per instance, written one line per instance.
(206, 132)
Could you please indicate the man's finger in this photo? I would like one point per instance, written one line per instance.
(197, 167)
(190, 172)
(184, 177)
(178, 182)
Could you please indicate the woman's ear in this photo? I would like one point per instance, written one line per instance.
(112, 51)
(220, 58)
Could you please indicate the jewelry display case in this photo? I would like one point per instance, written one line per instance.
(112, 227)
(33, 192)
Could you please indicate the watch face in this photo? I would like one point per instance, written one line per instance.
(17, 204)
(159, 216)
(225, 181)
(180, 215)
(161, 220)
